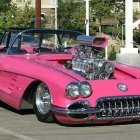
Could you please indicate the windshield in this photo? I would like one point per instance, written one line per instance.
(28, 39)
(41, 41)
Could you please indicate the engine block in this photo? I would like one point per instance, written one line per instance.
(93, 68)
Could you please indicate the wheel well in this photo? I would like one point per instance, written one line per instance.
(28, 98)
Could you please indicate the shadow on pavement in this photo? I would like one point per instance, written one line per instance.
(21, 112)
(31, 111)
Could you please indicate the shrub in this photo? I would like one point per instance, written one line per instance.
(114, 31)
(137, 36)
(112, 54)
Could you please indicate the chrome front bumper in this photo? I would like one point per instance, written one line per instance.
(68, 111)
(77, 110)
(106, 108)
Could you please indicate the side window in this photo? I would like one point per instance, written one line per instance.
(49, 40)
(16, 43)
(29, 39)
(68, 40)
(4, 39)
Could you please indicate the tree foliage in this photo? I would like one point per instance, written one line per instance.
(101, 8)
(112, 54)
(107, 8)
(4, 5)
(136, 15)
(137, 36)
(18, 16)
(71, 13)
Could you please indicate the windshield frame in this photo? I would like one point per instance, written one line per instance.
(41, 32)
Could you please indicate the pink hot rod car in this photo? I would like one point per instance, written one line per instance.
(63, 75)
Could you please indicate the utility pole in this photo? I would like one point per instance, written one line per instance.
(129, 28)
(129, 24)
(56, 6)
(38, 14)
(128, 54)
(56, 26)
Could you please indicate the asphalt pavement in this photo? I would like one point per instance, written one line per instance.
(14, 126)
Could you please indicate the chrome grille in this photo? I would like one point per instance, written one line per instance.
(119, 107)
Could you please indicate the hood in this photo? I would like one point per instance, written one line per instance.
(124, 71)
(36, 66)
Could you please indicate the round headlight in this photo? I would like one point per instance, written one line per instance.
(85, 89)
(72, 90)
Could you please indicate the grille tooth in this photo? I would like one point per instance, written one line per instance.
(109, 109)
(119, 107)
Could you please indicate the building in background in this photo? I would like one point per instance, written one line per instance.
(136, 5)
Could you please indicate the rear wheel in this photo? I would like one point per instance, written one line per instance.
(42, 104)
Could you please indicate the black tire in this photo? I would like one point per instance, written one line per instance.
(42, 104)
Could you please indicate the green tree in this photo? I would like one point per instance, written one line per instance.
(107, 9)
(71, 15)
(137, 36)
(4, 5)
(136, 15)
(112, 54)
(18, 16)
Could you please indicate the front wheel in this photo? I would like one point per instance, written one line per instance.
(42, 104)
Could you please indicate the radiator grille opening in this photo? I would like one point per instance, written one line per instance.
(77, 106)
(119, 107)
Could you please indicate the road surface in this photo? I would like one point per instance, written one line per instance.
(14, 126)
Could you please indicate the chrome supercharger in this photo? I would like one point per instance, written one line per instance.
(93, 68)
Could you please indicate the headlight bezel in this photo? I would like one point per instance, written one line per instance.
(82, 89)
(70, 94)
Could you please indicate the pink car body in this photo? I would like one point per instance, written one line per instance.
(46, 82)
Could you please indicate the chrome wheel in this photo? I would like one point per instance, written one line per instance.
(43, 99)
